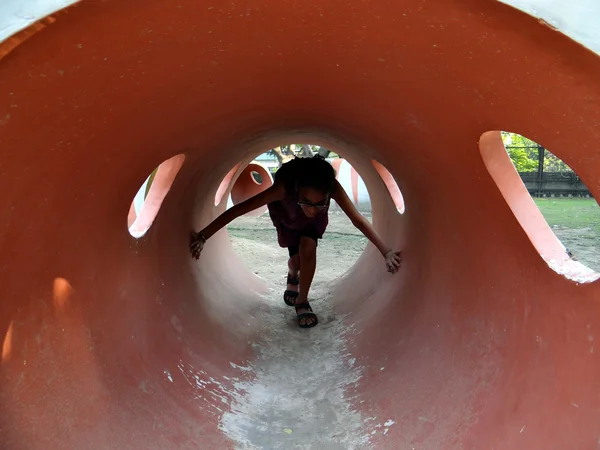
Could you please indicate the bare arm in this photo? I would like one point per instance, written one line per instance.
(274, 193)
(362, 224)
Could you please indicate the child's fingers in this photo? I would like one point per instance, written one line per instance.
(393, 266)
(195, 245)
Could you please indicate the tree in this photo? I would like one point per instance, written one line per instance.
(305, 151)
(523, 152)
(284, 153)
(324, 152)
(552, 163)
(522, 161)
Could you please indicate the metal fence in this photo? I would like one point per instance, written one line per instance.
(544, 174)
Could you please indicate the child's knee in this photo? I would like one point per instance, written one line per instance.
(308, 247)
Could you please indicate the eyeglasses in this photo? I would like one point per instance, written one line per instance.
(312, 205)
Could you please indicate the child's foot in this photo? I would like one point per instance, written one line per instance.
(306, 317)
(291, 293)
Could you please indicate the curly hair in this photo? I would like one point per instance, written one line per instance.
(313, 172)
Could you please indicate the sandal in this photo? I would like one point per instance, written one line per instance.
(289, 297)
(306, 315)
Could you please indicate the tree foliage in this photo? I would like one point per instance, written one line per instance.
(554, 164)
(284, 153)
(524, 154)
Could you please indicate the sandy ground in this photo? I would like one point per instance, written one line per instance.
(584, 243)
(255, 240)
(297, 401)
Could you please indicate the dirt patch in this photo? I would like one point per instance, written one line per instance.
(584, 243)
(255, 240)
(296, 400)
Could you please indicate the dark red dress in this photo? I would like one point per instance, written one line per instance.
(287, 215)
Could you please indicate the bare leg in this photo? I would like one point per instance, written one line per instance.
(293, 270)
(308, 262)
(294, 265)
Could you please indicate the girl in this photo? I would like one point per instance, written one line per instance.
(298, 203)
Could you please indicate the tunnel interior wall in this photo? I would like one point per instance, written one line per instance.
(476, 334)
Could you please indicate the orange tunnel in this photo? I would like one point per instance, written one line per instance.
(109, 341)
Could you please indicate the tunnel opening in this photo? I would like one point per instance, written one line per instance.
(257, 177)
(392, 186)
(552, 204)
(246, 185)
(224, 186)
(341, 253)
(147, 202)
(224, 247)
(254, 237)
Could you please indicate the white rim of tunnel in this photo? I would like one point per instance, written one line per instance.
(499, 164)
(391, 185)
(150, 196)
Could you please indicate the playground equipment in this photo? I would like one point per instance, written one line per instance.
(252, 180)
(109, 341)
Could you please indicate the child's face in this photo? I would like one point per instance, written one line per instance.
(311, 200)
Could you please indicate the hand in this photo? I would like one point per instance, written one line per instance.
(392, 261)
(196, 244)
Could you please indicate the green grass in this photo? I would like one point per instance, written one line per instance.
(571, 212)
